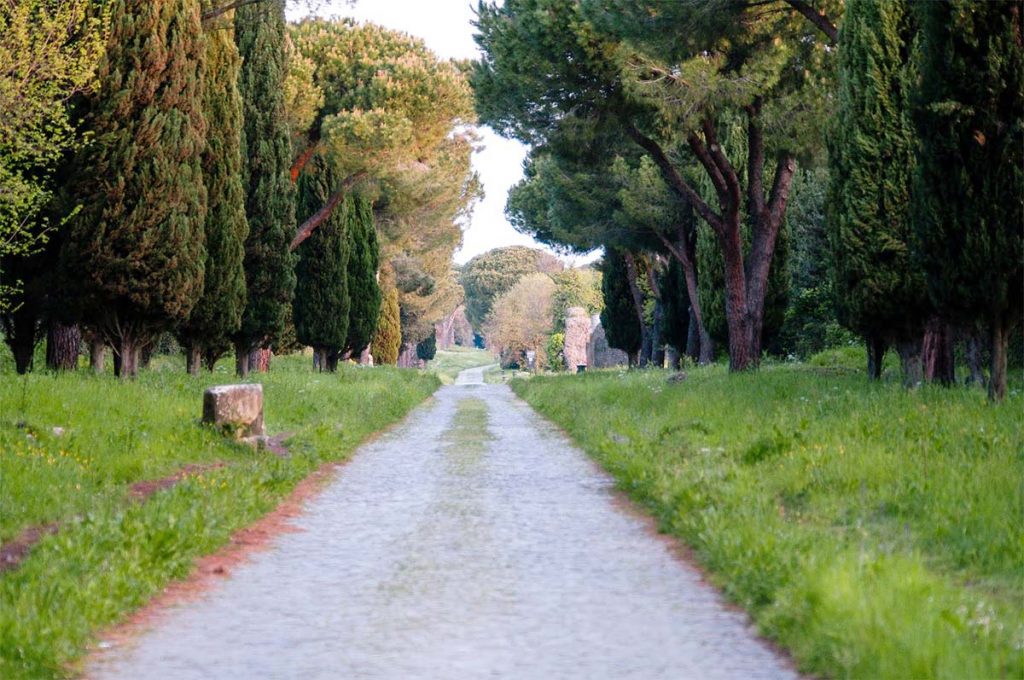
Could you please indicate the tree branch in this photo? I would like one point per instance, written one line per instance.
(302, 160)
(215, 12)
(817, 18)
(310, 225)
(672, 177)
(755, 159)
(734, 190)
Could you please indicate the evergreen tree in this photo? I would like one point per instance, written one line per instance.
(426, 349)
(387, 341)
(218, 313)
(880, 293)
(137, 248)
(363, 289)
(321, 309)
(968, 208)
(270, 196)
(619, 318)
(676, 320)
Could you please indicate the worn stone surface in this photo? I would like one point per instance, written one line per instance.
(577, 338)
(238, 408)
(472, 541)
(599, 354)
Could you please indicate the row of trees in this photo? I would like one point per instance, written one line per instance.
(674, 133)
(243, 183)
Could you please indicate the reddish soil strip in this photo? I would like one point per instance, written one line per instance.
(13, 552)
(208, 570)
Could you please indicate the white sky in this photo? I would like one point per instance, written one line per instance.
(445, 26)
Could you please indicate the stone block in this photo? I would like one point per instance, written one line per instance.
(238, 409)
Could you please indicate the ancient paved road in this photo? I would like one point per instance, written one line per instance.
(472, 541)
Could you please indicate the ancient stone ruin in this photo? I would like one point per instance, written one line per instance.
(599, 354)
(237, 410)
(577, 337)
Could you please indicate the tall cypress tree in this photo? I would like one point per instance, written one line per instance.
(322, 303)
(387, 340)
(969, 187)
(880, 293)
(137, 248)
(363, 289)
(619, 319)
(270, 196)
(218, 313)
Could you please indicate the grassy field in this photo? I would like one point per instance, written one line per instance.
(112, 554)
(875, 532)
(448, 362)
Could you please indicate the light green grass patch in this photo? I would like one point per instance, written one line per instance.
(111, 555)
(874, 531)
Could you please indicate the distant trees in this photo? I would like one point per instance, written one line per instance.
(137, 249)
(486, 277)
(387, 340)
(520, 319)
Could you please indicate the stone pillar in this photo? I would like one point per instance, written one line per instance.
(577, 337)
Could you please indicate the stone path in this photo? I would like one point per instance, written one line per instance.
(472, 541)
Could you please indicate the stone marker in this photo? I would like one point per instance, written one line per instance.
(599, 353)
(238, 409)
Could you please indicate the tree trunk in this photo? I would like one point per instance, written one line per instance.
(693, 347)
(672, 358)
(876, 353)
(937, 353)
(62, 344)
(259, 360)
(193, 359)
(117, 364)
(97, 354)
(241, 362)
(129, 355)
(20, 334)
(910, 361)
(736, 317)
(210, 358)
(332, 362)
(997, 369)
(146, 355)
(638, 305)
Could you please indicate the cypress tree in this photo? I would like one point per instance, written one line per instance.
(969, 209)
(137, 248)
(426, 349)
(270, 196)
(621, 326)
(218, 313)
(880, 293)
(322, 303)
(363, 289)
(387, 341)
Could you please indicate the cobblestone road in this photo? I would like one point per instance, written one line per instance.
(472, 541)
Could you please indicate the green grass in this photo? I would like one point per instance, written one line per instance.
(112, 554)
(875, 532)
(447, 363)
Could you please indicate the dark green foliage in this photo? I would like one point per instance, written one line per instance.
(487, 276)
(576, 288)
(270, 196)
(137, 249)
(810, 324)
(387, 341)
(218, 313)
(969, 208)
(426, 349)
(879, 291)
(619, 319)
(322, 303)
(676, 322)
(363, 289)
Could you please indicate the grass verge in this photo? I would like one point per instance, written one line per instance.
(875, 532)
(111, 554)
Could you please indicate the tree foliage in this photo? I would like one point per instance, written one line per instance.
(50, 52)
(968, 208)
(137, 249)
(520, 318)
(270, 196)
(217, 314)
(619, 317)
(486, 277)
(363, 264)
(387, 340)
